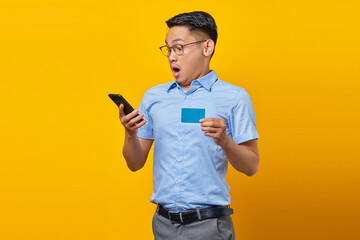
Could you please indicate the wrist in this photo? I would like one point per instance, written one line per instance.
(226, 143)
(130, 133)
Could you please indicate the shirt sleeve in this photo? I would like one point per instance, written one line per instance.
(146, 131)
(242, 118)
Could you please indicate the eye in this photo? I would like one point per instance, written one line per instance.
(178, 48)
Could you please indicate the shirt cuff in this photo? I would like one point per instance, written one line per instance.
(245, 138)
(145, 135)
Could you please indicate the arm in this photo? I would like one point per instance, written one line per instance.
(244, 157)
(135, 150)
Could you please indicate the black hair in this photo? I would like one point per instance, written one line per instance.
(198, 20)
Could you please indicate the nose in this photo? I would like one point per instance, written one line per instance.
(172, 56)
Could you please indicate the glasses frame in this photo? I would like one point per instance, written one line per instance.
(181, 45)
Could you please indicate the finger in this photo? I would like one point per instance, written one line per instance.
(213, 135)
(136, 119)
(209, 124)
(210, 129)
(213, 124)
(136, 125)
(140, 124)
(210, 119)
(121, 110)
(130, 116)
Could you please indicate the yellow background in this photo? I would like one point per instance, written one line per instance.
(62, 174)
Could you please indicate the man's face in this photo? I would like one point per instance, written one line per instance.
(191, 64)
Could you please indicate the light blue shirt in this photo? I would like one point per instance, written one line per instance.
(189, 169)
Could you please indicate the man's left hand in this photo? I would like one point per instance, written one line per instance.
(215, 128)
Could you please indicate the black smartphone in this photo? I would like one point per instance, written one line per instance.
(118, 99)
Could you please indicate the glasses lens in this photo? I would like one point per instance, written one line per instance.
(165, 50)
(178, 49)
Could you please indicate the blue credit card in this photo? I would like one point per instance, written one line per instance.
(192, 115)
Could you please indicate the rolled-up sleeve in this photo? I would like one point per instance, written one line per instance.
(241, 120)
(146, 131)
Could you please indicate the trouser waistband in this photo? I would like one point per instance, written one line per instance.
(195, 214)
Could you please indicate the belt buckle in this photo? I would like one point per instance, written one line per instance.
(175, 212)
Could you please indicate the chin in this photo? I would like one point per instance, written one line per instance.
(181, 82)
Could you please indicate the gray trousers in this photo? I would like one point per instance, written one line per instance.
(209, 229)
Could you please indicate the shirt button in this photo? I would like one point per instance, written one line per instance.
(177, 203)
(178, 159)
(180, 138)
(187, 97)
(177, 182)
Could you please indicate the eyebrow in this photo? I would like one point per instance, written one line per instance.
(175, 40)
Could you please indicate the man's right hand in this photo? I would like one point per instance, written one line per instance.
(130, 121)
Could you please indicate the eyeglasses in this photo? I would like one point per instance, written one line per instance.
(177, 48)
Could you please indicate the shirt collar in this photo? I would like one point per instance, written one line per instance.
(206, 81)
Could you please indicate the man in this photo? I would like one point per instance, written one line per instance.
(191, 156)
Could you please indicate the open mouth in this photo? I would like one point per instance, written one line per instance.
(176, 71)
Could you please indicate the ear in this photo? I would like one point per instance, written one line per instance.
(209, 47)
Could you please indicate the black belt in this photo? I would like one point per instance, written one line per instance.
(196, 214)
